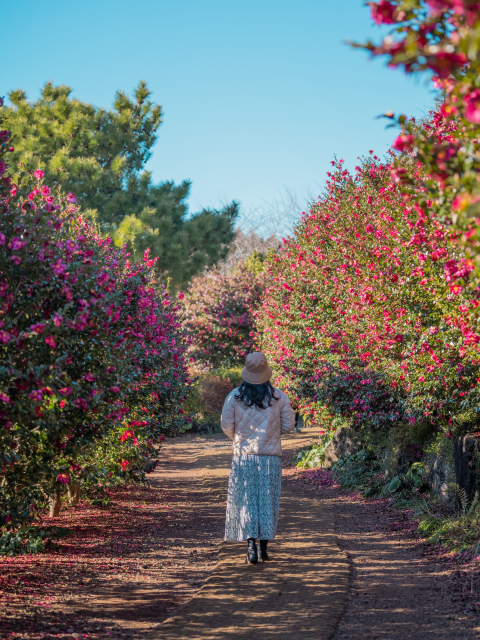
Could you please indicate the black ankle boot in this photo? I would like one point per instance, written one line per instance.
(263, 555)
(252, 554)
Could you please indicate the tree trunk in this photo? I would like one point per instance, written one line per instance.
(467, 464)
(73, 493)
(55, 503)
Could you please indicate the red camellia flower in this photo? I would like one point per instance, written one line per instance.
(404, 142)
(52, 343)
(456, 289)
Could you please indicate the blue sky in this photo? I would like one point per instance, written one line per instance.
(257, 95)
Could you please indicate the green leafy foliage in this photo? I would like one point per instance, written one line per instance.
(361, 471)
(460, 531)
(30, 540)
(313, 456)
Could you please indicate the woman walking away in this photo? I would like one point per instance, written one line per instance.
(254, 416)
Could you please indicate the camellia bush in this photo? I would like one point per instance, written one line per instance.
(90, 350)
(441, 37)
(218, 315)
(364, 316)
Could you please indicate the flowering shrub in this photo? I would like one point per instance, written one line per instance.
(88, 342)
(441, 36)
(218, 315)
(363, 314)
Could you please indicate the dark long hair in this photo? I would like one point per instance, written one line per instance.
(260, 395)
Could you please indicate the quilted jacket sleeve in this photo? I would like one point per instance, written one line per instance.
(228, 416)
(287, 416)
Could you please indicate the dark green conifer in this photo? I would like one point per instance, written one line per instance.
(99, 155)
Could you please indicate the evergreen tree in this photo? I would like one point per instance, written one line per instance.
(98, 155)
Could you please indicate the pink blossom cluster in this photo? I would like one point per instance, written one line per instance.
(218, 313)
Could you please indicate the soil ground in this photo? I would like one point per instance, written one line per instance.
(400, 586)
(125, 568)
(153, 566)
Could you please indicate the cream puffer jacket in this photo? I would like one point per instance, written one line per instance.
(254, 430)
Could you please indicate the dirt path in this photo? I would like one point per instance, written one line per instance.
(399, 587)
(300, 594)
(175, 563)
(153, 566)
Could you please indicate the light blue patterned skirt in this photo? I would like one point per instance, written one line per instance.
(253, 499)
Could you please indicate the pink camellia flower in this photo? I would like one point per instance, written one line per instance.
(4, 397)
(57, 320)
(62, 403)
(15, 259)
(38, 174)
(3, 167)
(404, 142)
(125, 464)
(52, 343)
(383, 12)
(58, 268)
(89, 377)
(456, 289)
(71, 198)
(81, 403)
(181, 296)
(64, 478)
(472, 106)
(36, 395)
(115, 389)
(16, 244)
(37, 328)
(66, 391)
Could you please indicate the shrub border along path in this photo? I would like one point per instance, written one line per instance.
(301, 593)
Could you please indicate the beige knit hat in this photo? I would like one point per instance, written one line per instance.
(256, 369)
